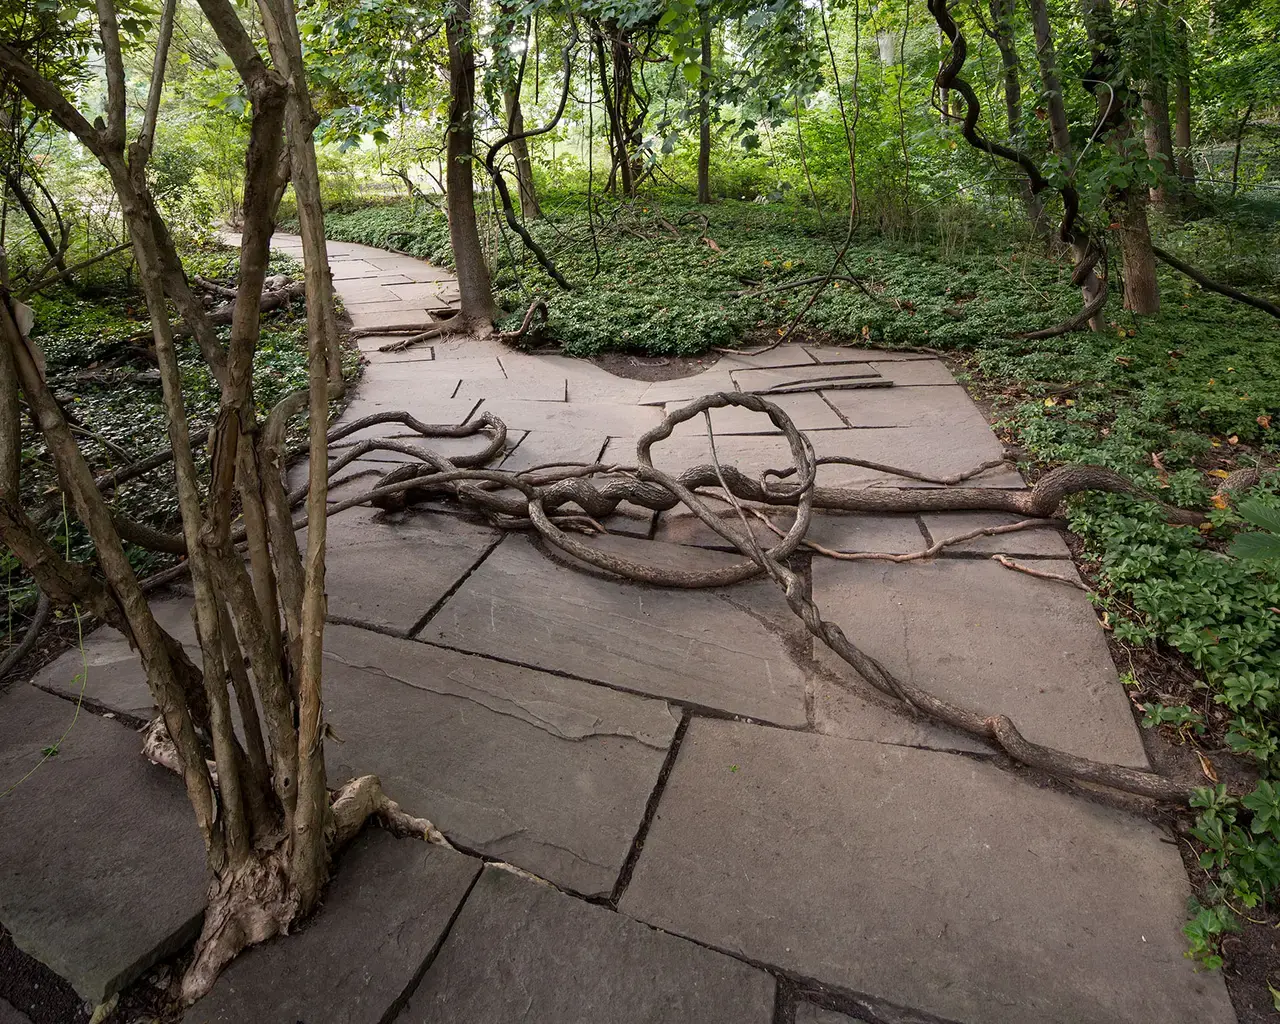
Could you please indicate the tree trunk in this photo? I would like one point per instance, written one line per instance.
(1182, 111)
(520, 150)
(478, 308)
(1115, 102)
(704, 112)
(1235, 159)
(1060, 137)
(1001, 17)
(55, 251)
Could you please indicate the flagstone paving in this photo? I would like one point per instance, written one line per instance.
(715, 819)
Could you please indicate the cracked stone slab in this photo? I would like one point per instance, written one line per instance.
(738, 650)
(550, 774)
(108, 668)
(1041, 542)
(87, 841)
(346, 270)
(389, 569)
(522, 951)
(916, 371)
(787, 354)
(11, 1015)
(807, 411)
(683, 390)
(387, 909)
(812, 1013)
(538, 389)
(936, 452)
(908, 407)
(547, 447)
(921, 879)
(600, 418)
(990, 639)
(843, 354)
(815, 374)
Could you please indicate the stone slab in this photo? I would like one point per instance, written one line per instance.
(787, 354)
(431, 409)
(686, 389)
(550, 774)
(844, 532)
(601, 418)
(346, 270)
(544, 447)
(10, 1014)
(990, 639)
(814, 375)
(845, 354)
(109, 668)
(807, 411)
(811, 1013)
(916, 371)
(421, 270)
(387, 315)
(539, 389)
(734, 650)
(936, 451)
(432, 293)
(920, 879)
(909, 406)
(385, 913)
(1042, 542)
(87, 841)
(389, 569)
(524, 952)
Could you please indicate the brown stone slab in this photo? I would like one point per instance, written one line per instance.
(731, 650)
(990, 639)
(686, 389)
(811, 1013)
(102, 869)
(787, 354)
(387, 315)
(550, 774)
(807, 411)
(845, 532)
(1041, 542)
(524, 952)
(387, 909)
(389, 569)
(920, 879)
(346, 270)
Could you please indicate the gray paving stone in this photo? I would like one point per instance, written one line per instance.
(600, 418)
(87, 842)
(991, 639)
(852, 709)
(387, 909)
(544, 447)
(811, 1013)
(788, 354)
(807, 411)
(934, 451)
(1043, 542)
(844, 354)
(767, 379)
(838, 532)
(388, 570)
(109, 668)
(908, 406)
(346, 270)
(430, 293)
(733, 650)
(540, 389)
(918, 371)
(550, 774)
(10, 1015)
(920, 879)
(521, 951)
(428, 409)
(686, 389)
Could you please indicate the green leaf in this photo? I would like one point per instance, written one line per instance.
(1256, 547)
(1261, 515)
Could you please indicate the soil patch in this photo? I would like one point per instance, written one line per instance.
(635, 367)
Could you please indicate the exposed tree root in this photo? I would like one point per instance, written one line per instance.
(24, 646)
(536, 307)
(1039, 574)
(437, 315)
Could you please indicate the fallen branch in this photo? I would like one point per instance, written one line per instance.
(1039, 574)
(25, 646)
(441, 313)
(1214, 286)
